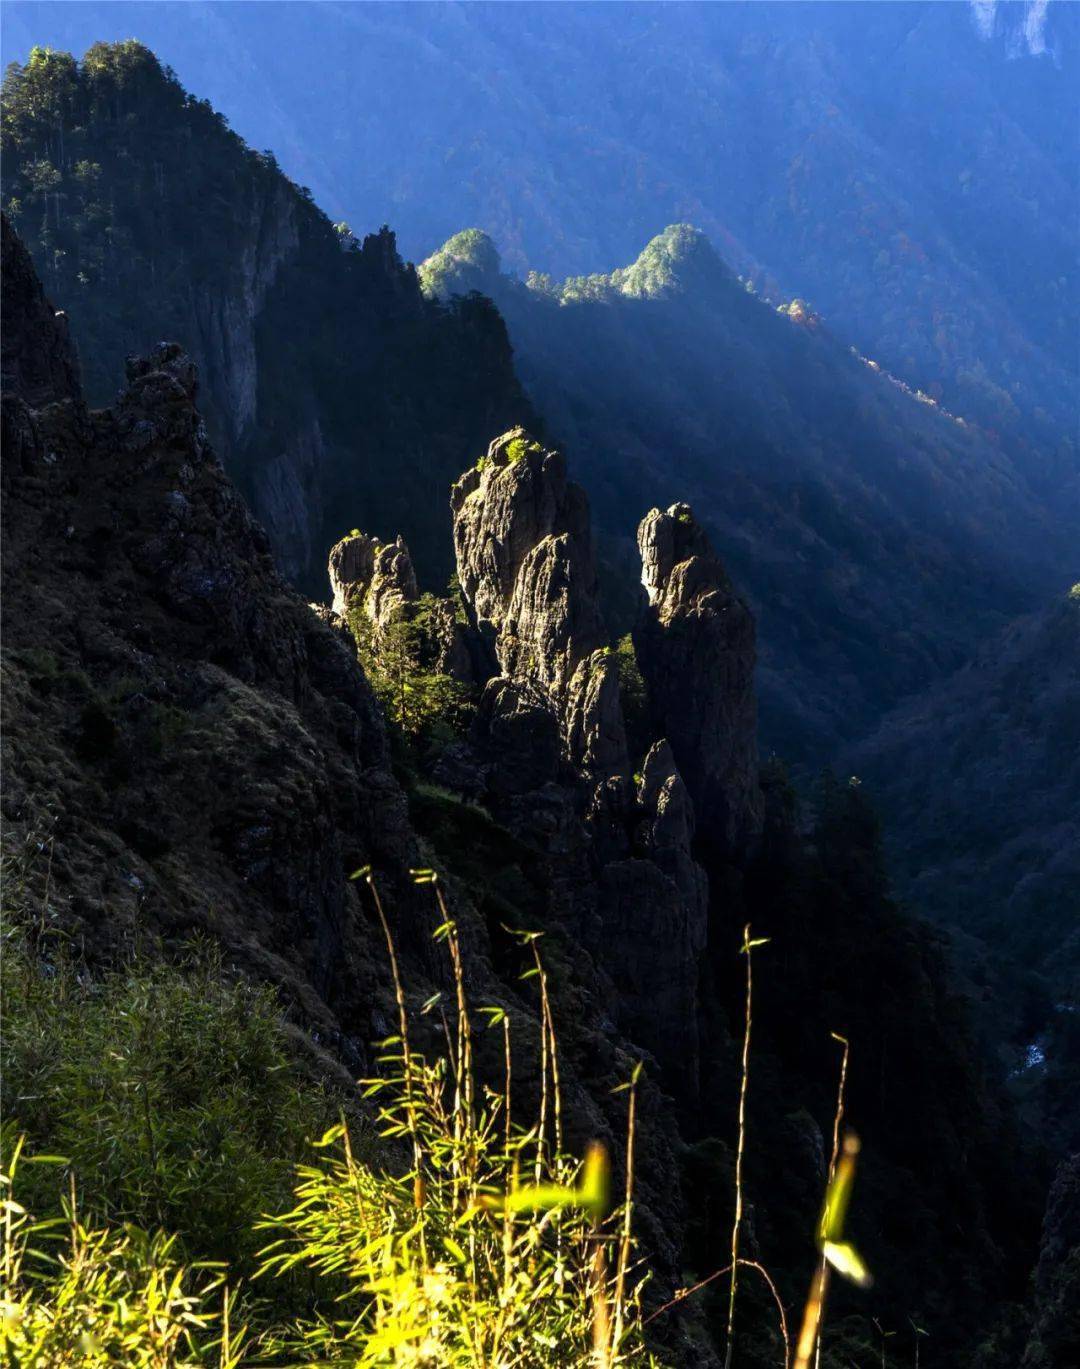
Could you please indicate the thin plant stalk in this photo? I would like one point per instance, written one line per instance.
(463, 1128)
(785, 1334)
(830, 1237)
(815, 1303)
(601, 1322)
(736, 1225)
(542, 1131)
(508, 1065)
(406, 1051)
(508, 1216)
(464, 1028)
(549, 1027)
(628, 1207)
(838, 1117)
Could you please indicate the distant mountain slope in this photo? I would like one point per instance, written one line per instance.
(878, 536)
(911, 168)
(980, 783)
(333, 389)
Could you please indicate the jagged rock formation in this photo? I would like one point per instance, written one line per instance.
(547, 750)
(176, 668)
(374, 576)
(695, 647)
(808, 465)
(39, 360)
(377, 581)
(189, 748)
(525, 565)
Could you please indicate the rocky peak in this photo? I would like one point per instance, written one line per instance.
(695, 647)
(377, 576)
(525, 564)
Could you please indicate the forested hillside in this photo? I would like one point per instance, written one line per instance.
(494, 826)
(979, 780)
(326, 373)
(910, 168)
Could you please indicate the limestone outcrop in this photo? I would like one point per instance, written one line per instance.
(525, 565)
(376, 580)
(375, 576)
(695, 648)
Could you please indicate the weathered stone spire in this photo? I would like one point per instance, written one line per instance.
(377, 576)
(525, 564)
(695, 647)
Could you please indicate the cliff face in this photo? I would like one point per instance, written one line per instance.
(297, 330)
(525, 566)
(216, 756)
(190, 748)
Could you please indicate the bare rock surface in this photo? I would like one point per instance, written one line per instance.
(695, 647)
(525, 565)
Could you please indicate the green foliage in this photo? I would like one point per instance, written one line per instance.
(634, 696)
(168, 1089)
(467, 261)
(668, 261)
(121, 220)
(142, 210)
(108, 1296)
(400, 659)
(519, 447)
(493, 1247)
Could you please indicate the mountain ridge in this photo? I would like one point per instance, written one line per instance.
(803, 457)
(797, 126)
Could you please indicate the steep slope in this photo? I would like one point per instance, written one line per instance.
(191, 750)
(148, 218)
(909, 167)
(979, 780)
(332, 382)
(190, 747)
(866, 524)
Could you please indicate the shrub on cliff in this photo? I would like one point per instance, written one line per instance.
(168, 1089)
